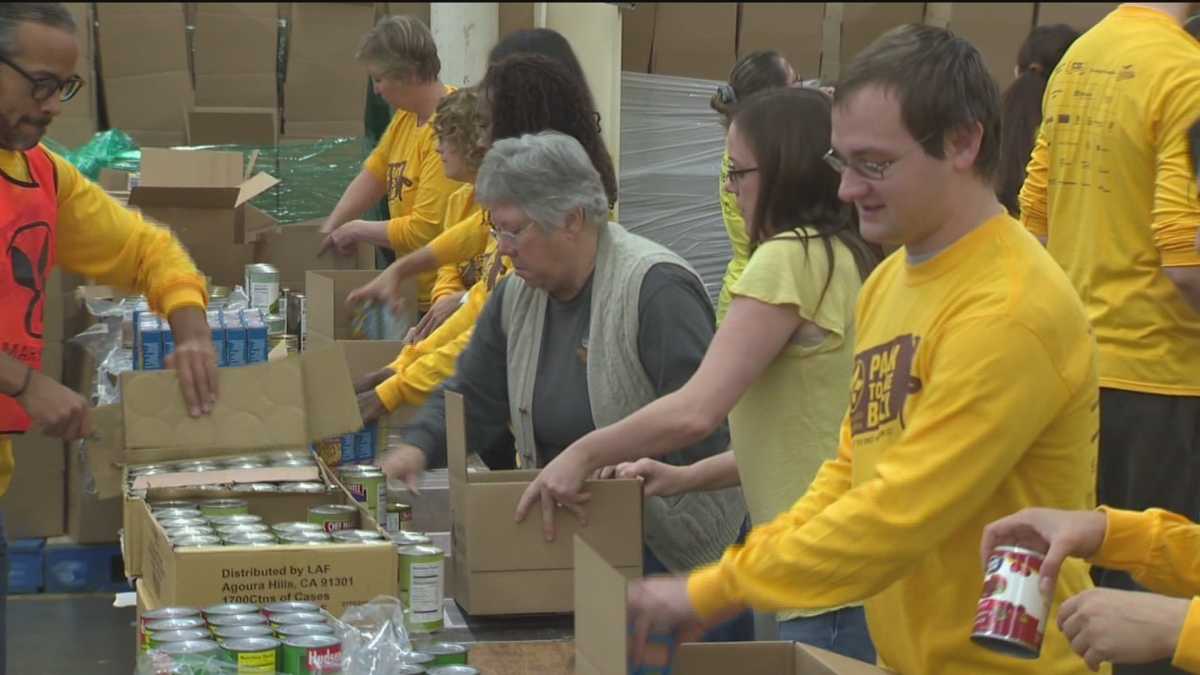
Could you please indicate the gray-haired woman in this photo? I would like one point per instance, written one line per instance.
(593, 324)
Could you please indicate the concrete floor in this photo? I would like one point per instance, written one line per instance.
(52, 634)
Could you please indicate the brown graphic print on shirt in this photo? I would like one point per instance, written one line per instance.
(881, 384)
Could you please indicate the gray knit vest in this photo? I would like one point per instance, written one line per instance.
(686, 531)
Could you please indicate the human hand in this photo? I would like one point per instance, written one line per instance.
(194, 359)
(437, 315)
(558, 485)
(659, 479)
(370, 406)
(57, 410)
(404, 463)
(343, 239)
(660, 606)
(1122, 626)
(1058, 534)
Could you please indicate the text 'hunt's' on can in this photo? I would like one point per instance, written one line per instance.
(334, 517)
(308, 654)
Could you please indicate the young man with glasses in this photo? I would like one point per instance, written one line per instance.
(973, 392)
(50, 214)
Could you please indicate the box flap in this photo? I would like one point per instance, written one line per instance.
(601, 640)
(456, 452)
(744, 658)
(820, 662)
(280, 404)
(105, 450)
(254, 187)
(185, 197)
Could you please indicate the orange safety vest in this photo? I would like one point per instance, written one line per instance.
(28, 227)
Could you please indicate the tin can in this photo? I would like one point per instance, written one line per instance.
(286, 528)
(306, 654)
(293, 462)
(408, 669)
(447, 654)
(406, 538)
(333, 516)
(291, 608)
(422, 587)
(368, 485)
(296, 619)
(223, 507)
(176, 523)
(419, 659)
(238, 519)
(251, 539)
(302, 311)
(176, 533)
(262, 286)
(1011, 615)
(167, 613)
(294, 313)
(356, 536)
(301, 629)
(152, 628)
(162, 638)
(197, 467)
(253, 655)
(230, 620)
(281, 310)
(398, 517)
(196, 541)
(453, 670)
(194, 656)
(246, 465)
(178, 504)
(226, 531)
(223, 633)
(175, 514)
(306, 538)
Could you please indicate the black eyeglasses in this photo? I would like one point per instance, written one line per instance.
(47, 85)
(736, 175)
(866, 168)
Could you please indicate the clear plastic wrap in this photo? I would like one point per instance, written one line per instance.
(671, 148)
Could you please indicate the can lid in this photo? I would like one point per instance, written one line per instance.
(260, 630)
(453, 670)
(416, 658)
(232, 608)
(298, 629)
(297, 618)
(238, 620)
(222, 502)
(170, 613)
(180, 623)
(444, 648)
(189, 647)
(291, 607)
(398, 506)
(1021, 550)
(182, 635)
(311, 641)
(420, 551)
(254, 644)
(331, 509)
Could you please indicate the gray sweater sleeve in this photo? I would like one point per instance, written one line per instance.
(676, 325)
(481, 377)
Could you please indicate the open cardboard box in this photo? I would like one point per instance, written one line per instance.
(236, 125)
(602, 640)
(328, 315)
(504, 567)
(295, 249)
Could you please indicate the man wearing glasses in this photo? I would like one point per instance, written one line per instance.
(50, 214)
(973, 392)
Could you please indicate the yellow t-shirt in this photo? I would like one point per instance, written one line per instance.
(452, 278)
(739, 240)
(779, 454)
(102, 240)
(1110, 184)
(974, 395)
(407, 162)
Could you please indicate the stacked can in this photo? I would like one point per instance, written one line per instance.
(368, 485)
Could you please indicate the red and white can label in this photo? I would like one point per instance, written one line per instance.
(1011, 615)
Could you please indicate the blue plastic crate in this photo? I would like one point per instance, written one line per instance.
(78, 568)
(25, 566)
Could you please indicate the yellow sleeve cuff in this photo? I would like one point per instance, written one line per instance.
(1186, 258)
(184, 294)
(397, 235)
(396, 391)
(1128, 539)
(708, 592)
(1187, 651)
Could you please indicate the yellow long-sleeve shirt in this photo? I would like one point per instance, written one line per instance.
(407, 162)
(461, 237)
(101, 240)
(1162, 551)
(1110, 185)
(739, 240)
(974, 395)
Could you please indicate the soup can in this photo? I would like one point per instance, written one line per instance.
(194, 656)
(306, 654)
(153, 628)
(288, 528)
(368, 485)
(453, 670)
(230, 609)
(196, 541)
(255, 487)
(229, 620)
(175, 504)
(397, 517)
(422, 587)
(238, 519)
(334, 516)
(420, 659)
(1011, 615)
(407, 538)
(296, 619)
(251, 539)
(447, 654)
(306, 538)
(226, 531)
(311, 488)
(177, 533)
(253, 655)
(196, 467)
(223, 633)
(302, 629)
(291, 608)
(158, 639)
(356, 536)
(164, 614)
(176, 514)
(224, 507)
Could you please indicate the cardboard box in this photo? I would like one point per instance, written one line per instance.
(326, 89)
(601, 638)
(293, 250)
(1080, 15)
(77, 122)
(236, 59)
(997, 30)
(695, 40)
(233, 125)
(35, 503)
(90, 519)
(514, 16)
(863, 22)
(504, 567)
(637, 36)
(418, 9)
(328, 315)
(794, 29)
(144, 66)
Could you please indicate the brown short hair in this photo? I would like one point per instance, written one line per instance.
(752, 73)
(403, 47)
(942, 85)
(459, 122)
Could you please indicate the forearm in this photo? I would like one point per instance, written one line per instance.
(362, 193)
(12, 375)
(1187, 282)
(715, 473)
(664, 426)
(189, 323)
(413, 264)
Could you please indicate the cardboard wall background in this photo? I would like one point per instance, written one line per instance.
(78, 120)
(236, 53)
(326, 89)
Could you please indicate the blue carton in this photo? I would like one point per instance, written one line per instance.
(78, 568)
(235, 338)
(218, 336)
(256, 335)
(364, 444)
(25, 566)
(349, 449)
(149, 345)
(168, 340)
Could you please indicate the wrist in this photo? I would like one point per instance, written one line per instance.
(24, 385)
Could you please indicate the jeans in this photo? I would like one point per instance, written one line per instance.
(842, 631)
(737, 629)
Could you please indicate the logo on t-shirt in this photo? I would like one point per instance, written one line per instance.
(396, 180)
(881, 384)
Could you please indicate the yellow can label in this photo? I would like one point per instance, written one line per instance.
(256, 663)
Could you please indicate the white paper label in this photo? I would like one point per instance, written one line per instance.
(426, 595)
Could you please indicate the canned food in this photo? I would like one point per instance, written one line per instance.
(175, 514)
(246, 464)
(291, 608)
(240, 632)
(1011, 615)
(253, 655)
(294, 312)
(422, 587)
(178, 504)
(146, 468)
(262, 285)
(226, 531)
(333, 516)
(398, 517)
(275, 326)
(447, 654)
(228, 620)
(286, 528)
(255, 487)
(306, 538)
(194, 541)
(368, 485)
(279, 455)
(356, 536)
(453, 670)
(408, 669)
(304, 629)
(177, 533)
(169, 613)
(251, 539)
(230, 609)
(417, 659)
(176, 523)
(157, 639)
(304, 488)
(407, 538)
(224, 507)
(240, 459)
(196, 467)
(296, 618)
(170, 625)
(329, 450)
(195, 656)
(239, 519)
(307, 654)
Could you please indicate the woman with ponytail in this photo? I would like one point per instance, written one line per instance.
(1022, 107)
